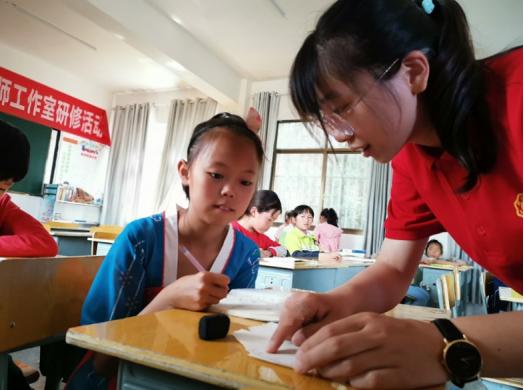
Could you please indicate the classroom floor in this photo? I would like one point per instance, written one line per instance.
(31, 356)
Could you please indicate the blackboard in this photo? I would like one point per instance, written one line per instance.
(39, 137)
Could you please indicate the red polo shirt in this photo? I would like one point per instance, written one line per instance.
(21, 235)
(486, 221)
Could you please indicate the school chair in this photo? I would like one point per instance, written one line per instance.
(105, 234)
(449, 293)
(106, 231)
(43, 298)
(483, 288)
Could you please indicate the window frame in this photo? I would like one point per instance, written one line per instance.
(325, 152)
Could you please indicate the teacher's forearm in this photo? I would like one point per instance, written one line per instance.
(499, 339)
(378, 288)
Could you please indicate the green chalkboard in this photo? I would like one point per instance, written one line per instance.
(39, 137)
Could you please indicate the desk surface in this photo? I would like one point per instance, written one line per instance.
(295, 264)
(450, 267)
(169, 341)
(292, 263)
(509, 295)
(66, 233)
(102, 240)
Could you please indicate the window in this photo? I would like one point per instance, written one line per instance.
(155, 138)
(306, 170)
(78, 161)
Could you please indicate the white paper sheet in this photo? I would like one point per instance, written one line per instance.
(255, 304)
(255, 340)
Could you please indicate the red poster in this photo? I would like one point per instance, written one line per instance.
(35, 102)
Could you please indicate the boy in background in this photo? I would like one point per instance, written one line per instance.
(300, 242)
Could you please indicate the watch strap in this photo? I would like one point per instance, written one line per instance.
(448, 329)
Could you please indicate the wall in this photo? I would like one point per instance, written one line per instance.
(54, 77)
(82, 163)
(161, 100)
(30, 204)
(45, 73)
(286, 110)
(495, 26)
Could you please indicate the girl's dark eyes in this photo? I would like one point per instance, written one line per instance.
(215, 175)
(218, 176)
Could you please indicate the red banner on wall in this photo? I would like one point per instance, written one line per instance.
(36, 102)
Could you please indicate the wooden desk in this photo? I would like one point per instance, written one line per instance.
(102, 237)
(168, 343)
(306, 275)
(72, 242)
(100, 246)
(509, 295)
(312, 275)
(502, 383)
(162, 351)
(41, 299)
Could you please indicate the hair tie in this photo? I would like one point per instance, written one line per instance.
(428, 6)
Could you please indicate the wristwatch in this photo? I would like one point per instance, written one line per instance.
(461, 357)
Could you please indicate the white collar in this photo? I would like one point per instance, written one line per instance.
(171, 249)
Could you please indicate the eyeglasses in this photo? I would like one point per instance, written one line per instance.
(336, 124)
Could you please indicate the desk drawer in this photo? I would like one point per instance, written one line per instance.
(274, 277)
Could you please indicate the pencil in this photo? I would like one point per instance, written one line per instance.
(192, 259)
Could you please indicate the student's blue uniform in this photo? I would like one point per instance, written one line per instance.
(141, 262)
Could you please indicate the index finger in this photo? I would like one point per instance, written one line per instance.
(217, 279)
(299, 309)
(287, 326)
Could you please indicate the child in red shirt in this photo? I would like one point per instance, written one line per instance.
(264, 209)
(20, 234)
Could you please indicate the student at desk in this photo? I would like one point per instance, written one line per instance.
(327, 231)
(151, 266)
(290, 220)
(398, 81)
(433, 254)
(300, 242)
(20, 234)
(264, 209)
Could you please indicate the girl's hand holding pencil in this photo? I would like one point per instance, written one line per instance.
(195, 292)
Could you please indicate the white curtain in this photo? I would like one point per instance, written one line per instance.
(379, 193)
(267, 104)
(184, 115)
(129, 130)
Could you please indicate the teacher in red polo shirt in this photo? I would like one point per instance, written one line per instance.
(398, 81)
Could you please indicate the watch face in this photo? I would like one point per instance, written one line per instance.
(463, 359)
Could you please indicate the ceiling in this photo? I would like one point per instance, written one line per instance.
(214, 46)
(257, 39)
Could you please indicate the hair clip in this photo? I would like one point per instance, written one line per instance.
(428, 6)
